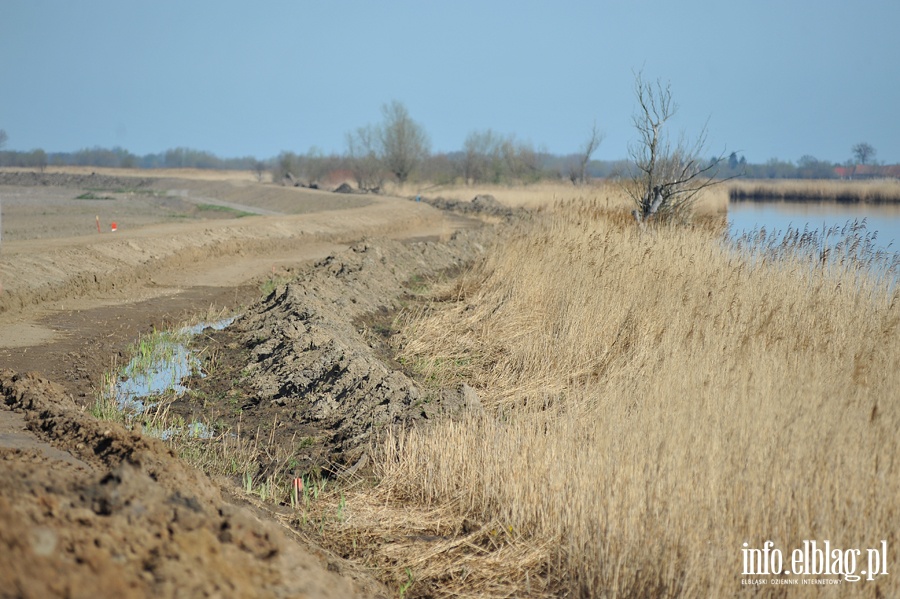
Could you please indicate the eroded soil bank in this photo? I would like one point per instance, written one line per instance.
(304, 367)
(93, 509)
(125, 517)
(130, 519)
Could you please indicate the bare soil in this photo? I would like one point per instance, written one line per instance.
(305, 364)
(130, 519)
(91, 509)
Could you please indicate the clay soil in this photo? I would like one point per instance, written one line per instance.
(88, 508)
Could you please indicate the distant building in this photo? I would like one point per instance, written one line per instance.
(868, 171)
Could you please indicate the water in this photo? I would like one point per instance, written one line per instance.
(169, 363)
(159, 370)
(864, 235)
(881, 219)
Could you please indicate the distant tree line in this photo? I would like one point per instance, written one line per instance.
(807, 167)
(487, 157)
(118, 157)
(398, 149)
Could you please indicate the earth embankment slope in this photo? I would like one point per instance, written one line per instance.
(36, 271)
(131, 520)
(123, 513)
(72, 300)
(309, 361)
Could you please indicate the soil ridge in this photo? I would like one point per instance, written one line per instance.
(140, 523)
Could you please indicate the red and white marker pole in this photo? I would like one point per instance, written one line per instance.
(298, 489)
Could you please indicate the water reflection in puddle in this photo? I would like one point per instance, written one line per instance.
(160, 364)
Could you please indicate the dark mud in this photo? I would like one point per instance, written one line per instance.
(481, 205)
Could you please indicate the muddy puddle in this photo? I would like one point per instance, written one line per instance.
(161, 363)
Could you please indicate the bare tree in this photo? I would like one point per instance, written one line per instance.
(481, 156)
(286, 168)
(863, 152)
(38, 159)
(259, 169)
(520, 160)
(3, 138)
(404, 142)
(362, 152)
(587, 150)
(666, 176)
(315, 166)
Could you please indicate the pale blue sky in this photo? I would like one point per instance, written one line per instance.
(775, 78)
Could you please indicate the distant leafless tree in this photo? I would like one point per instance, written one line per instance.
(587, 150)
(404, 142)
(481, 156)
(362, 154)
(259, 169)
(38, 159)
(315, 165)
(286, 168)
(573, 172)
(520, 160)
(863, 152)
(3, 138)
(666, 176)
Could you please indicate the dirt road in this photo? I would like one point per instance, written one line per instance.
(81, 496)
(107, 286)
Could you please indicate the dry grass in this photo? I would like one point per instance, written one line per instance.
(606, 193)
(653, 401)
(535, 195)
(816, 190)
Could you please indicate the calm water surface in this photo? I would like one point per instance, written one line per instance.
(884, 219)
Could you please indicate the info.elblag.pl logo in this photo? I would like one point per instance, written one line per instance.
(813, 558)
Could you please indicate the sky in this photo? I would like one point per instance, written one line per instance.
(768, 78)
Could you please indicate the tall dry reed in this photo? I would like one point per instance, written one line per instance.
(816, 190)
(653, 401)
(607, 193)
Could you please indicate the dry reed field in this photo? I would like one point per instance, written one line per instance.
(607, 194)
(653, 401)
(817, 190)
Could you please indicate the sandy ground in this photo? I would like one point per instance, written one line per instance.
(82, 498)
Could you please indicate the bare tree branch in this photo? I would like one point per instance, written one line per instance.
(667, 176)
(365, 164)
(863, 152)
(404, 143)
(587, 150)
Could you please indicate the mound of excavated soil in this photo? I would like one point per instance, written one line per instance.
(484, 204)
(93, 181)
(134, 522)
(308, 362)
